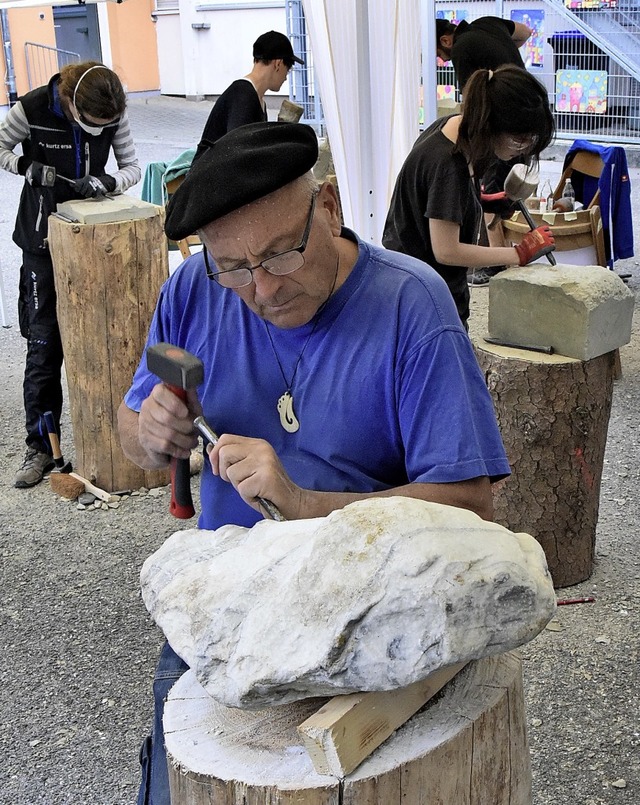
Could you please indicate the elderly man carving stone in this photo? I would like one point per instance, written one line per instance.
(334, 371)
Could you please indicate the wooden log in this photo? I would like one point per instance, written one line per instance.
(108, 277)
(553, 413)
(468, 746)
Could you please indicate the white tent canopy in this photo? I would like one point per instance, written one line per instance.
(367, 58)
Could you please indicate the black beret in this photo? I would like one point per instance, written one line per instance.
(244, 165)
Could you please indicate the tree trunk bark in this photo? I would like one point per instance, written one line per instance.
(108, 277)
(468, 746)
(553, 413)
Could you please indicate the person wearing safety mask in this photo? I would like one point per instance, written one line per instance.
(67, 130)
(436, 211)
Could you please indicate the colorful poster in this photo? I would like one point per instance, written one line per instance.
(581, 91)
(446, 92)
(532, 49)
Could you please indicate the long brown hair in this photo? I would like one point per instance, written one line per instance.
(508, 100)
(99, 94)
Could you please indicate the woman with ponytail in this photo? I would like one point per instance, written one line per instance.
(436, 213)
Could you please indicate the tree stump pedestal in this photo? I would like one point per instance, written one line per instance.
(467, 746)
(108, 277)
(553, 413)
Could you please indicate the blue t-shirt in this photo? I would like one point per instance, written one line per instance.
(388, 390)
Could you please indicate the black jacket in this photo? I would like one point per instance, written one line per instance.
(54, 141)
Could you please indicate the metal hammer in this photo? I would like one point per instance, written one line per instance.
(520, 183)
(50, 174)
(179, 370)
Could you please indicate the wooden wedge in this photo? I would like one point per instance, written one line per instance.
(347, 729)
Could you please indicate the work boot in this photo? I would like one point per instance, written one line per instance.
(33, 468)
(481, 276)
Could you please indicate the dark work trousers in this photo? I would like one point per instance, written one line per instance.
(39, 325)
(154, 786)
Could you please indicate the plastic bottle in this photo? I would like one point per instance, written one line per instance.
(569, 193)
(546, 197)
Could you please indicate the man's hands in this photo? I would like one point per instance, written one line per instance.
(535, 244)
(165, 425)
(94, 187)
(255, 471)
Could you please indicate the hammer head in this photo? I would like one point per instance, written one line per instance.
(175, 366)
(521, 182)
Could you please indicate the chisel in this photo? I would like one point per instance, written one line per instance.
(210, 435)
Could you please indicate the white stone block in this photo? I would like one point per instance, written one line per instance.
(107, 210)
(580, 311)
(375, 596)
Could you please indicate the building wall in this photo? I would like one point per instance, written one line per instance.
(127, 34)
(202, 62)
(134, 46)
(28, 25)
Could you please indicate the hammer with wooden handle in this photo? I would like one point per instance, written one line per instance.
(179, 370)
(520, 183)
(54, 441)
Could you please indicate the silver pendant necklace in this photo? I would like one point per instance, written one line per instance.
(288, 418)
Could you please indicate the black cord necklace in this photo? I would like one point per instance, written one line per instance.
(288, 418)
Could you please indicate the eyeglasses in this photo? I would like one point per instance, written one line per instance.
(83, 119)
(279, 264)
(523, 143)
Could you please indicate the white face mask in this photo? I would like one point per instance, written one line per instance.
(93, 130)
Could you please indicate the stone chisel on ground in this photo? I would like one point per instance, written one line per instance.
(179, 370)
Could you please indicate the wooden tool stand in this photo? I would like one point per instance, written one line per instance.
(468, 746)
(553, 413)
(108, 276)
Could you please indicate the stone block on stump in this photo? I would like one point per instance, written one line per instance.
(107, 210)
(580, 311)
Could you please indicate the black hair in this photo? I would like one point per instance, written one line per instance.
(508, 100)
(443, 28)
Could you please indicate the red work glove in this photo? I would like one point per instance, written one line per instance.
(535, 244)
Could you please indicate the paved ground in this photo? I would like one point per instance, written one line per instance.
(78, 648)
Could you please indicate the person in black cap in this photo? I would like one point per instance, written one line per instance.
(334, 370)
(243, 101)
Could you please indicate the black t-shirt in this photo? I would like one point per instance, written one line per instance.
(484, 44)
(237, 106)
(434, 182)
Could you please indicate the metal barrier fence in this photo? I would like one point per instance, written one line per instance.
(302, 79)
(43, 61)
(585, 52)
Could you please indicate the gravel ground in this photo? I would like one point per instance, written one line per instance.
(79, 648)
